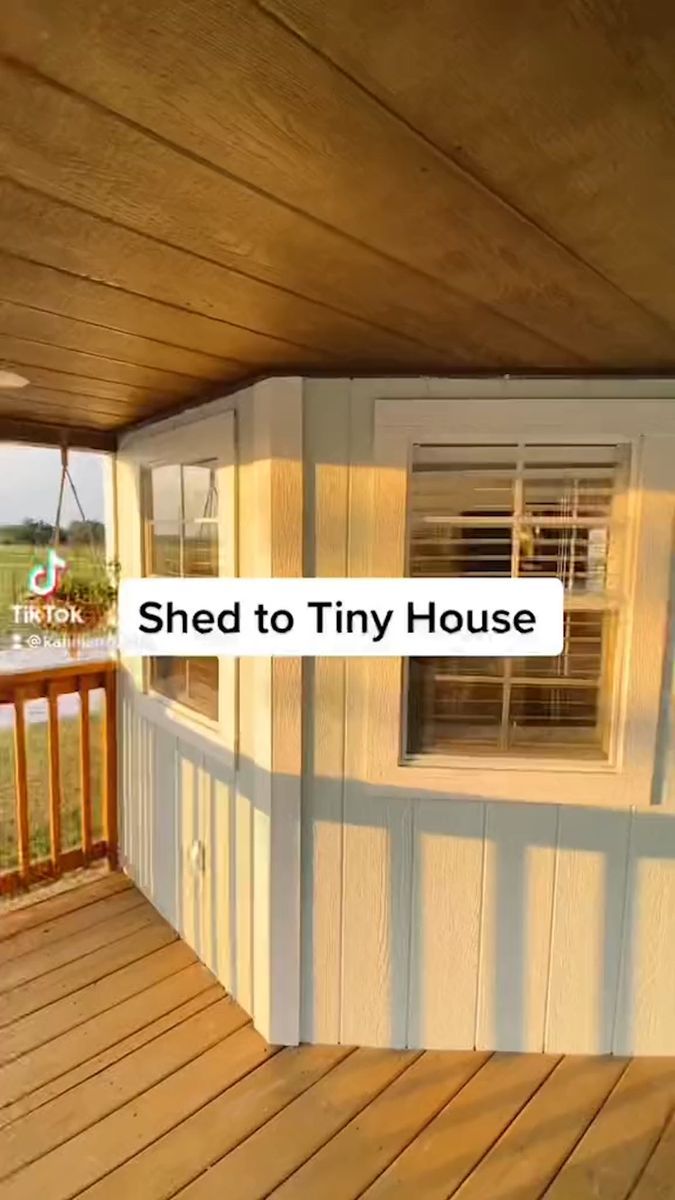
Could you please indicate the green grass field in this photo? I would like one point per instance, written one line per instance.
(38, 784)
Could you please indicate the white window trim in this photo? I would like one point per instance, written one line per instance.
(626, 779)
(207, 438)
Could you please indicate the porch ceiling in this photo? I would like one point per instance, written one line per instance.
(201, 191)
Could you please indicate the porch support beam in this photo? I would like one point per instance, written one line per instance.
(15, 429)
(272, 775)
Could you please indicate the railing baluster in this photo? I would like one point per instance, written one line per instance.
(18, 689)
(110, 767)
(54, 780)
(85, 768)
(21, 768)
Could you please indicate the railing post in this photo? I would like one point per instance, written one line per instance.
(21, 768)
(110, 832)
(85, 768)
(54, 779)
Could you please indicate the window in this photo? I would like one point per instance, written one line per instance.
(529, 510)
(181, 538)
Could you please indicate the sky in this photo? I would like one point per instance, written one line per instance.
(30, 478)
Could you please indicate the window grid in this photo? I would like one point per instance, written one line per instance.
(561, 509)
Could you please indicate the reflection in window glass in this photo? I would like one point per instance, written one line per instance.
(181, 537)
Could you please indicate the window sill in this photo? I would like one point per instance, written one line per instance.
(183, 712)
(524, 762)
(204, 735)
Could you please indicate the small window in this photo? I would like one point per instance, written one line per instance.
(532, 511)
(181, 539)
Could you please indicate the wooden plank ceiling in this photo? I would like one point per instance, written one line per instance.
(197, 192)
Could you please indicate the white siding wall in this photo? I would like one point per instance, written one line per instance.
(455, 923)
(178, 785)
(175, 792)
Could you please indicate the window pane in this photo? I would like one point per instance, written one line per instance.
(456, 550)
(182, 540)
(191, 681)
(165, 498)
(582, 656)
(452, 505)
(550, 719)
(445, 713)
(167, 675)
(570, 481)
(200, 549)
(201, 686)
(567, 509)
(578, 556)
(200, 497)
(164, 548)
(476, 479)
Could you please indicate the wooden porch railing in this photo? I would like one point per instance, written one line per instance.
(75, 679)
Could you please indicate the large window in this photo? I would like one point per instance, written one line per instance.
(181, 538)
(528, 510)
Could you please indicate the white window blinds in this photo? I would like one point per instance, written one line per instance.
(528, 510)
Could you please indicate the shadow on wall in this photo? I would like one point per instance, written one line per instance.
(507, 926)
(456, 923)
(447, 920)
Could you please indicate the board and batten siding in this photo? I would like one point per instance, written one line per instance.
(454, 923)
(239, 907)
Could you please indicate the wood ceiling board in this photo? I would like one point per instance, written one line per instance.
(563, 110)
(79, 153)
(28, 352)
(66, 382)
(64, 414)
(218, 310)
(26, 321)
(46, 434)
(339, 160)
(83, 400)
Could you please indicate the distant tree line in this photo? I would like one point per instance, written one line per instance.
(41, 533)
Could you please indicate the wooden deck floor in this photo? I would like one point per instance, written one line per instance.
(126, 1071)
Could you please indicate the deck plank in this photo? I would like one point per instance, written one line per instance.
(658, 1179)
(444, 1154)
(74, 949)
(534, 1147)
(272, 1154)
(126, 1070)
(159, 956)
(93, 1154)
(185, 1152)
(40, 936)
(352, 1159)
(72, 977)
(39, 1077)
(17, 920)
(70, 1114)
(611, 1155)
